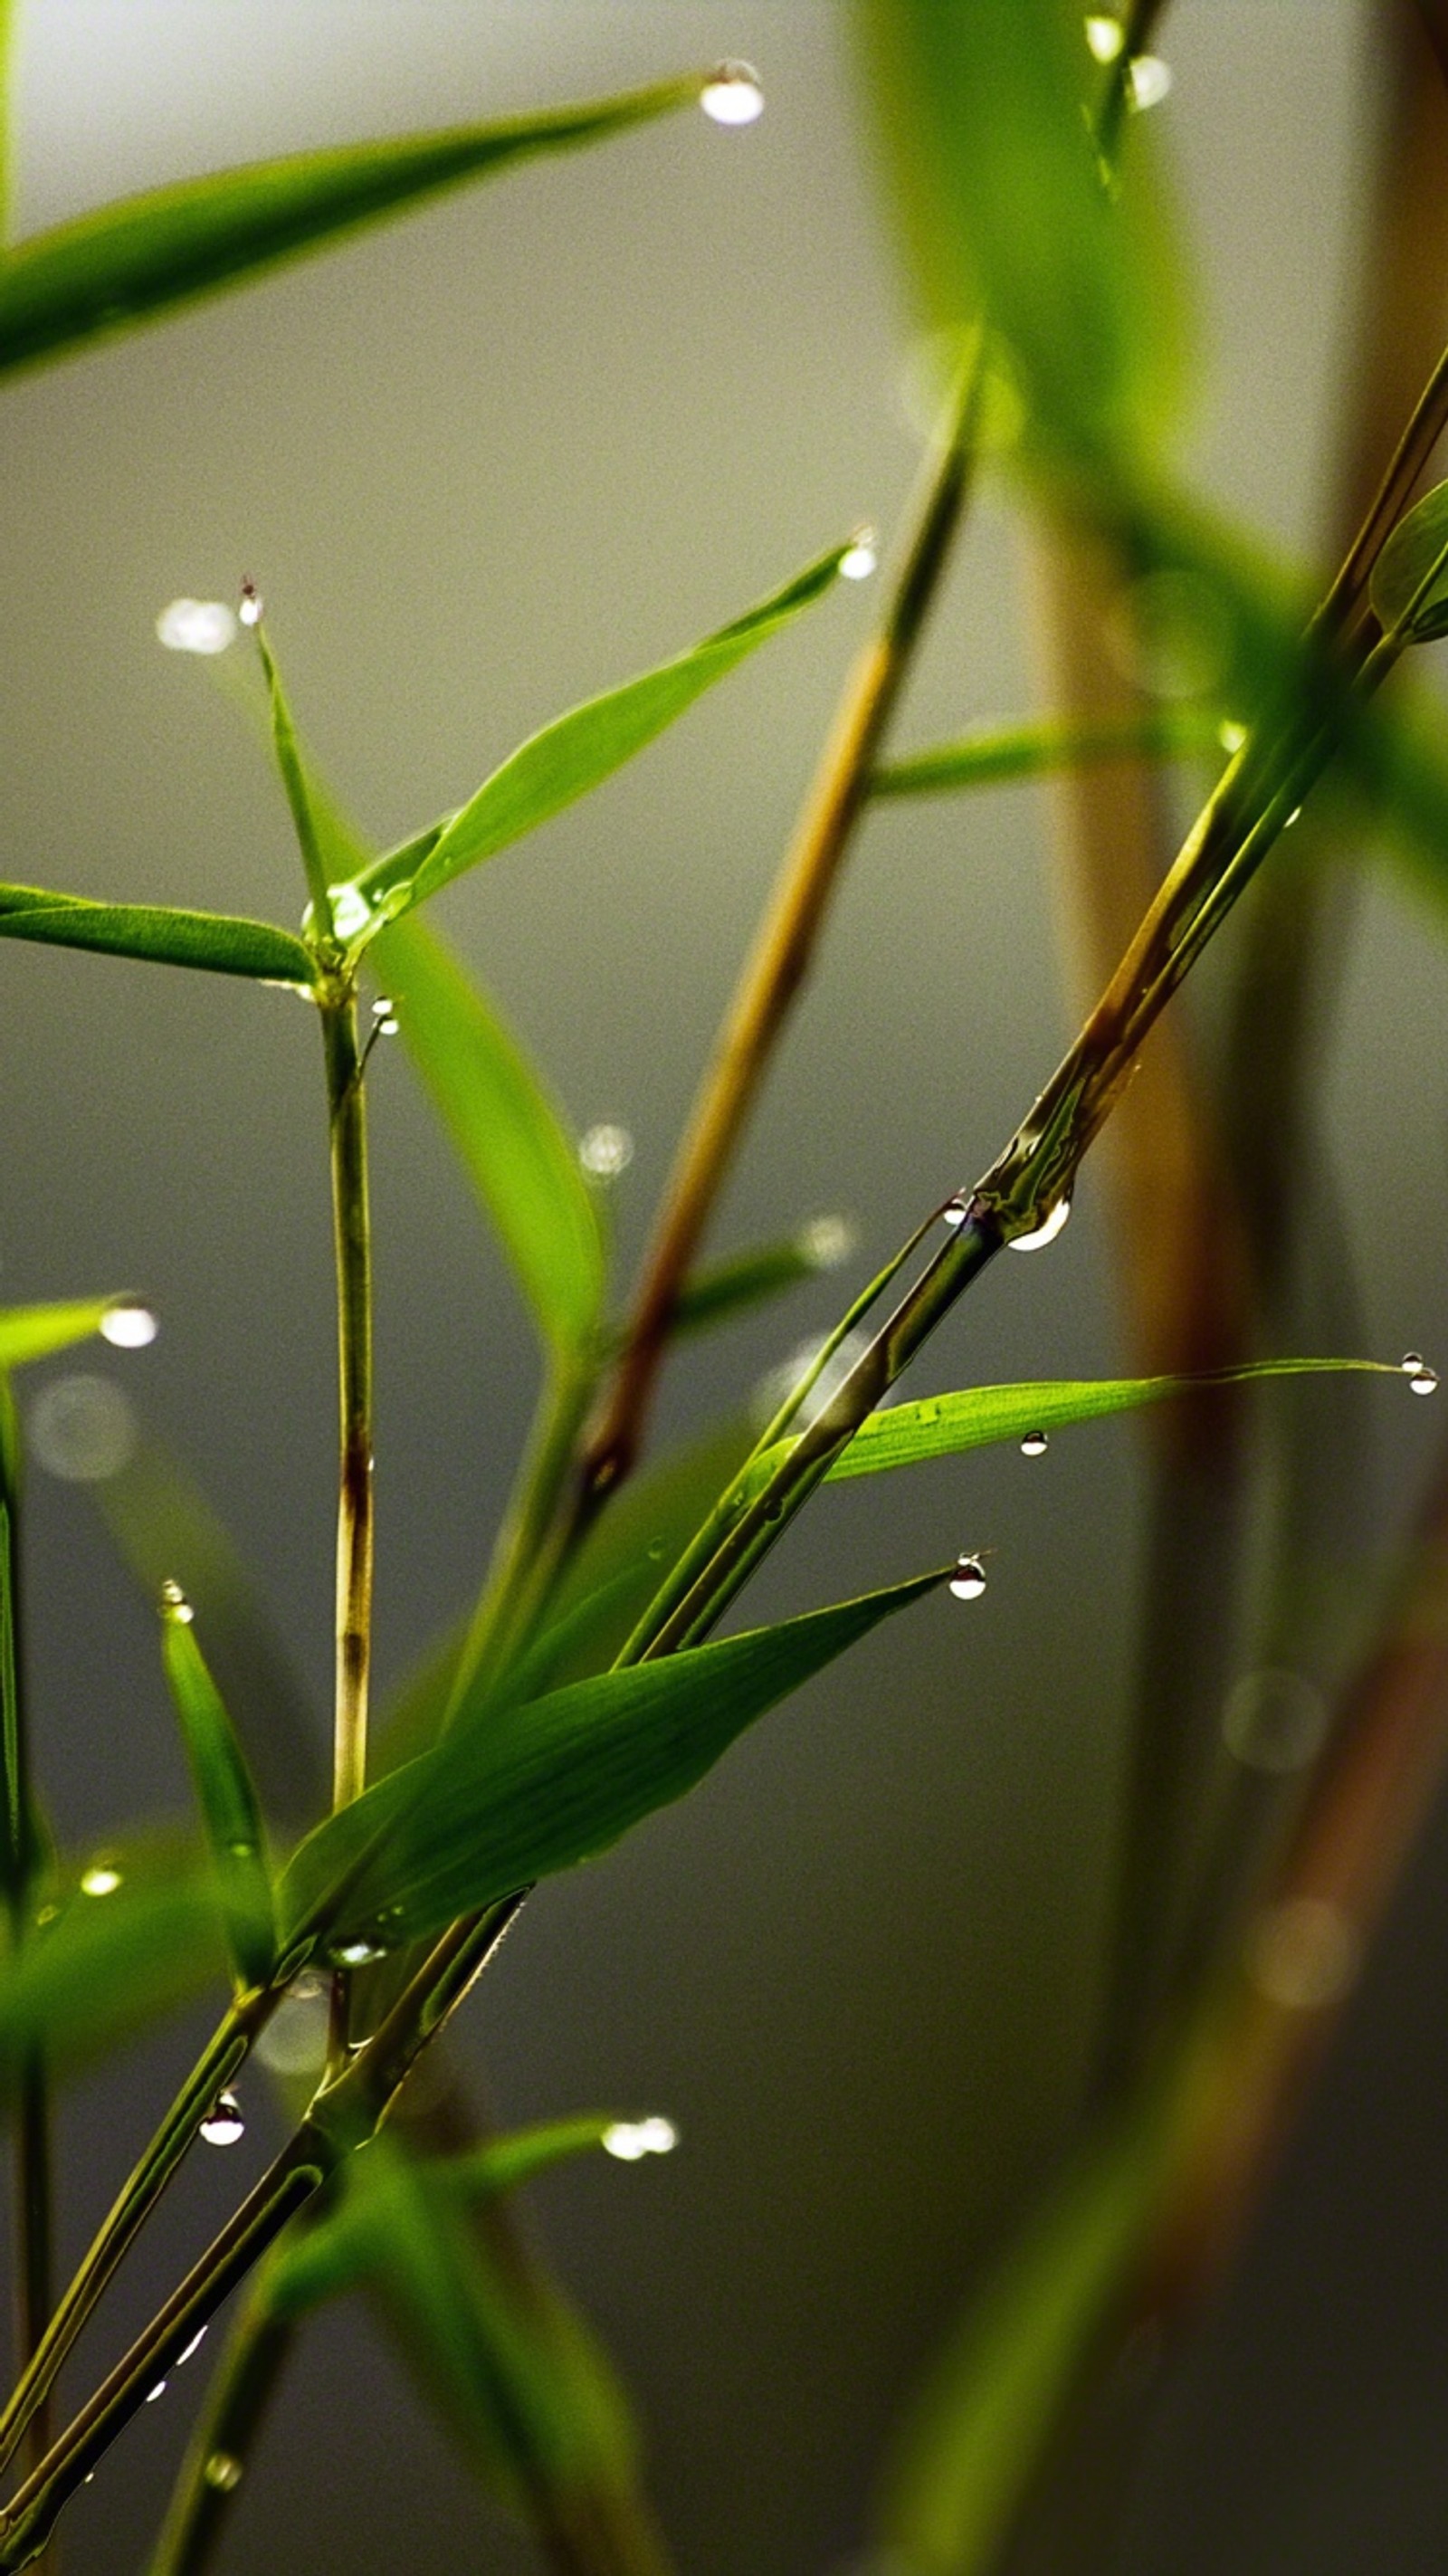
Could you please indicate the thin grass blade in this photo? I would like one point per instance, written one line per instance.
(997, 754)
(225, 1793)
(160, 934)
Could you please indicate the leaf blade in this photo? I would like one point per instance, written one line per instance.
(157, 934)
(577, 751)
(1409, 582)
(225, 1794)
(120, 265)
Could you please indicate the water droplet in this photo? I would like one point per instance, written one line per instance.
(351, 911)
(223, 2124)
(1422, 1379)
(82, 1429)
(1105, 37)
(384, 1012)
(222, 2471)
(174, 1605)
(1231, 736)
(294, 2041)
(606, 1149)
(128, 1325)
(250, 609)
(1274, 1721)
(1041, 1235)
(827, 1241)
(194, 2346)
(357, 1954)
(968, 1581)
(732, 95)
(101, 1879)
(153, 2393)
(196, 626)
(630, 2139)
(1304, 1954)
(1294, 817)
(861, 557)
(1034, 1445)
(1148, 81)
(955, 1211)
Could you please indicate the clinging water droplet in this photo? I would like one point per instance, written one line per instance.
(351, 911)
(955, 1211)
(1422, 1379)
(223, 2472)
(194, 2346)
(1045, 1233)
(196, 626)
(153, 2393)
(358, 1954)
(732, 94)
(250, 609)
(223, 2125)
(861, 557)
(1148, 81)
(128, 1325)
(630, 2139)
(1231, 736)
(1034, 1445)
(101, 1879)
(606, 1149)
(174, 1605)
(1105, 38)
(968, 1581)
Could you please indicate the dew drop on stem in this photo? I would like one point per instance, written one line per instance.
(101, 1879)
(1044, 1233)
(1105, 37)
(967, 1583)
(1148, 81)
(223, 2125)
(223, 2472)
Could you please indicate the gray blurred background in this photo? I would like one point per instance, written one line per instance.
(480, 464)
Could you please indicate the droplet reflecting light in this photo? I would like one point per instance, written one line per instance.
(1034, 1445)
(860, 558)
(128, 1325)
(153, 2393)
(1148, 81)
(1422, 1379)
(351, 911)
(223, 2472)
(82, 1429)
(101, 1879)
(630, 2139)
(193, 2346)
(358, 1954)
(174, 1605)
(223, 2125)
(1105, 38)
(606, 1150)
(196, 626)
(732, 95)
(968, 1581)
(250, 609)
(827, 1241)
(1231, 736)
(1041, 1235)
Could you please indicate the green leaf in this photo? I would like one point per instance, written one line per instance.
(993, 2397)
(517, 1153)
(114, 268)
(160, 933)
(728, 1288)
(573, 754)
(941, 1426)
(1409, 584)
(225, 1794)
(535, 1788)
(292, 770)
(633, 1545)
(982, 107)
(102, 1967)
(33, 1332)
(997, 753)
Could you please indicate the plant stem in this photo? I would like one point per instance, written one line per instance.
(785, 944)
(344, 2114)
(347, 1113)
(138, 2197)
(259, 2348)
(33, 2218)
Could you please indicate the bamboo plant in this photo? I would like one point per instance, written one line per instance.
(586, 1686)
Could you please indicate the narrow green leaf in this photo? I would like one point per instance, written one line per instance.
(293, 773)
(102, 1966)
(16, 1833)
(997, 753)
(33, 1332)
(991, 2400)
(728, 1288)
(159, 933)
(513, 1144)
(225, 1794)
(941, 1426)
(1409, 585)
(635, 1542)
(533, 1789)
(505, 2163)
(114, 268)
(573, 754)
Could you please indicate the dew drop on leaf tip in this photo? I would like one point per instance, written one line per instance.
(223, 2124)
(732, 95)
(250, 608)
(174, 1605)
(1034, 1445)
(1422, 1379)
(861, 555)
(967, 1583)
(128, 1325)
(630, 2139)
(1044, 1233)
(1105, 38)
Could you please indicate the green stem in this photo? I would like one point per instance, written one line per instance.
(529, 1553)
(257, 2353)
(343, 2115)
(347, 1113)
